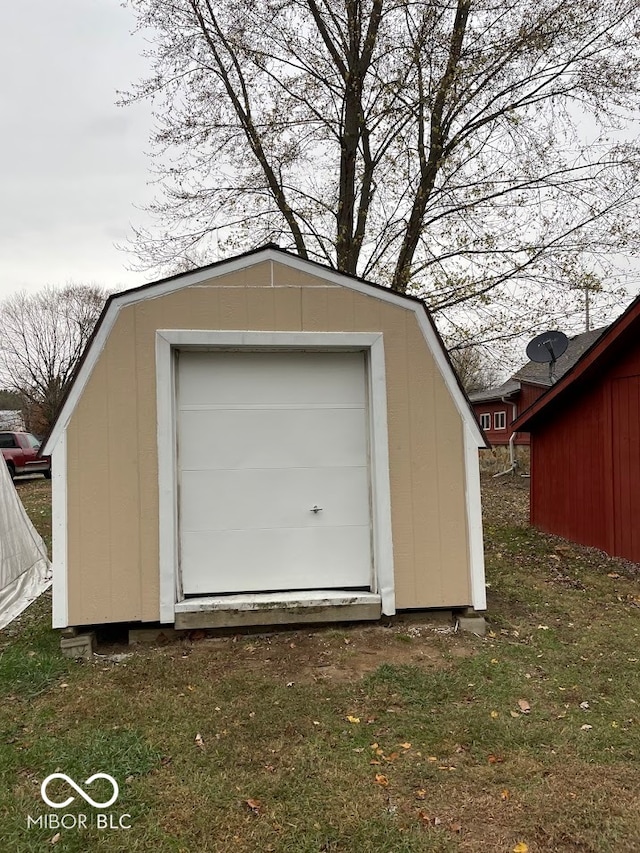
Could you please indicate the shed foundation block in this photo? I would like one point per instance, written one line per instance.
(471, 622)
(79, 646)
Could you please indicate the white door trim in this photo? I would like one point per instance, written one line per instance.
(170, 340)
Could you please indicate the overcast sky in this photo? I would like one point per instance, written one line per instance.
(72, 163)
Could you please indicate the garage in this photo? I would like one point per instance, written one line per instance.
(264, 441)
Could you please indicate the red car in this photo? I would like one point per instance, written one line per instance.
(21, 453)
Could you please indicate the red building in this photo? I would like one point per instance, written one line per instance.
(585, 445)
(498, 408)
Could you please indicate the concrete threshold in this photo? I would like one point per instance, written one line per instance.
(276, 608)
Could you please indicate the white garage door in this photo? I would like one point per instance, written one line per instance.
(263, 440)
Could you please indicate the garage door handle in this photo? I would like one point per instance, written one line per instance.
(316, 509)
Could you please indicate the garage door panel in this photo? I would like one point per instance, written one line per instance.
(228, 378)
(288, 559)
(262, 438)
(262, 498)
(271, 438)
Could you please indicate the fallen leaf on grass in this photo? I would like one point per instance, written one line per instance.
(55, 838)
(421, 794)
(494, 715)
(613, 575)
(254, 805)
(521, 847)
(198, 741)
(504, 795)
(428, 819)
(391, 758)
(515, 714)
(584, 706)
(166, 759)
(495, 759)
(455, 827)
(524, 706)
(351, 719)
(405, 745)
(586, 727)
(381, 779)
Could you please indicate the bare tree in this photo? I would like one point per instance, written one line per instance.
(450, 148)
(42, 336)
(475, 368)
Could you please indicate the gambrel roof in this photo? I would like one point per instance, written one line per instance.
(269, 252)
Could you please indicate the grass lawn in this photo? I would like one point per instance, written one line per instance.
(401, 738)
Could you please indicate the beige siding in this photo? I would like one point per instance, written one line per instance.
(112, 443)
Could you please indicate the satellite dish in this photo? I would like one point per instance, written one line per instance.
(547, 348)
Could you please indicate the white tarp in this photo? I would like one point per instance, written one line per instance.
(25, 571)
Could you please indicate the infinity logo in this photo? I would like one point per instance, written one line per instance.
(110, 802)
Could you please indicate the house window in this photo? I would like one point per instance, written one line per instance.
(500, 420)
(485, 420)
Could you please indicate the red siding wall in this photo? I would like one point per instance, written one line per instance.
(585, 463)
(528, 395)
(567, 473)
(625, 402)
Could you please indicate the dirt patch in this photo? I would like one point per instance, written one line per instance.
(330, 654)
